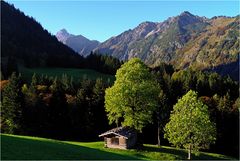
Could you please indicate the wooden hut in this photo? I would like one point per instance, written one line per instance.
(121, 138)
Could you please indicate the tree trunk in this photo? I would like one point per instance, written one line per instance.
(159, 135)
(189, 152)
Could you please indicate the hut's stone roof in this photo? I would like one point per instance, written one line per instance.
(126, 132)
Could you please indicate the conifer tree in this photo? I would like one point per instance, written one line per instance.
(12, 106)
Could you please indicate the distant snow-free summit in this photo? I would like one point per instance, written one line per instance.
(185, 40)
(78, 43)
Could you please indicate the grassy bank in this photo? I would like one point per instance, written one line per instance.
(30, 148)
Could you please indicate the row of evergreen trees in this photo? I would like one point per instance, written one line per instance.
(101, 63)
(57, 110)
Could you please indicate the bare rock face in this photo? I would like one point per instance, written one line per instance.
(78, 43)
(150, 38)
(63, 35)
(184, 40)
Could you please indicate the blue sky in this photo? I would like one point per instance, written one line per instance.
(100, 20)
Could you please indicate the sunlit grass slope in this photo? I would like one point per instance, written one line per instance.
(77, 74)
(15, 147)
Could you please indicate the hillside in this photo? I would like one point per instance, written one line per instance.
(185, 41)
(78, 43)
(33, 148)
(77, 74)
(26, 43)
(25, 40)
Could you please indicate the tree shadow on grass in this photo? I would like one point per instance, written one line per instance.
(17, 148)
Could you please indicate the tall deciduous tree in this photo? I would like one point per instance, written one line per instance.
(190, 126)
(133, 97)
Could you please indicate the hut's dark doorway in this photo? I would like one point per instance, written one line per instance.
(115, 141)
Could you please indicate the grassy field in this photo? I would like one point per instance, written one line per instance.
(29, 148)
(77, 74)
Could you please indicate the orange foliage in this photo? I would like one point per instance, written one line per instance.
(42, 88)
(3, 83)
(70, 99)
(46, 97)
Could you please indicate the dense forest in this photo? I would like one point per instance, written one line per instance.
(63, 109)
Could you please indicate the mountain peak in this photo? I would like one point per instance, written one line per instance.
(63, 30)
(63, 35)
(186, 18)
(186, 13)
(78, 43)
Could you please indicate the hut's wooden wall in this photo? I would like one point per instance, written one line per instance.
(110, 142)
(122, 142)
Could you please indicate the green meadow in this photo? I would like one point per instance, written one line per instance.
(14, 147)
(77, 74)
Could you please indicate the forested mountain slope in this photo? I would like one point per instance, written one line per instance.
(184, 41)
(25, 40)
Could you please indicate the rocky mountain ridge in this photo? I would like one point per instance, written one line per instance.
(185, 41)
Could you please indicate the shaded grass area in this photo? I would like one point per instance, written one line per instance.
(77, 74)
(30, 148)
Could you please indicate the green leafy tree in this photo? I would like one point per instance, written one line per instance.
(133, 98)
(11, 110)
(190, 126)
